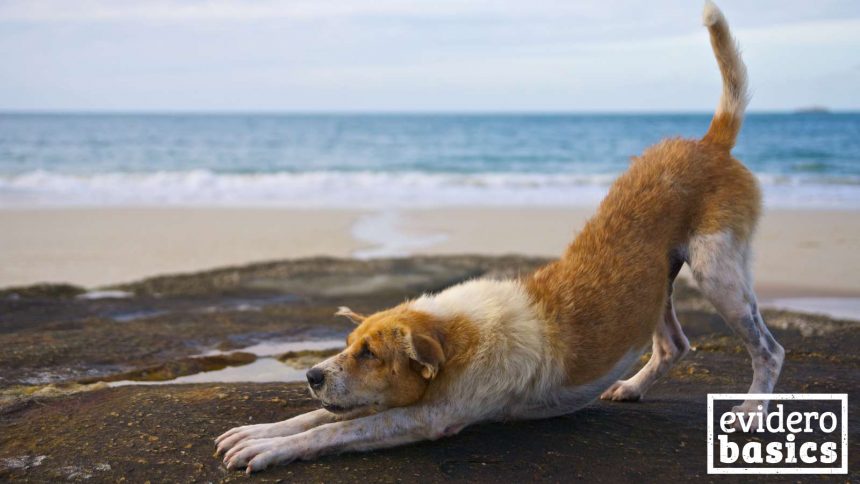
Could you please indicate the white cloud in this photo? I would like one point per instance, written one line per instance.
(428, 55)
(242, 10)
(102, 10)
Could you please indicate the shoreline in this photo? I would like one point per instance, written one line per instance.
(800, 254)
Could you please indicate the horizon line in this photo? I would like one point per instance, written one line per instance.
(412, 112)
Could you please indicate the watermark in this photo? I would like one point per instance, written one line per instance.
(802, 433)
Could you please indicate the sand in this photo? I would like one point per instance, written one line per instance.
(93, 247)
(798, 252)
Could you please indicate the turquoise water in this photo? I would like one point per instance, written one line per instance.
(393, 160)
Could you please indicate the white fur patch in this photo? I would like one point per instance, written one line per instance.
(711, 14)
(720, 264)
(512, 362)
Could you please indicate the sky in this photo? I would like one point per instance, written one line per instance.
(434, 55)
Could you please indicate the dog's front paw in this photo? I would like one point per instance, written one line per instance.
(622, 391)
(257, 454)
(748, 416)
(234, 436)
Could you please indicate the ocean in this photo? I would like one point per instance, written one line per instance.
(394, 161)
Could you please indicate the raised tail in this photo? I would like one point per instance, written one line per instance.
(730, 111)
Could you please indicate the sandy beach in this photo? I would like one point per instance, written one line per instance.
(798, 252)
(93, 247)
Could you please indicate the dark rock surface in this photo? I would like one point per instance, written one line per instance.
(52, 428)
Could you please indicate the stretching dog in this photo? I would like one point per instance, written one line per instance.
(550, 343)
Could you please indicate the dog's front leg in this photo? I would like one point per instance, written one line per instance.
(387, 429)
(295, 425)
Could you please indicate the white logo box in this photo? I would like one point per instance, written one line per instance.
(740, 397)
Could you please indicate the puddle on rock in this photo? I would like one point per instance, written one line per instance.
(126, 317)
(272, 348)
(277, 361)
(107, 294)
(263, 370)
(847, 308)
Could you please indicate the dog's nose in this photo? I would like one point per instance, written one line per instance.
(316, 377)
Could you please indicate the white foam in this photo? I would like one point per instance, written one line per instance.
(366, 190)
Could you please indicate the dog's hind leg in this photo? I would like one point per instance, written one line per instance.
(669, 344)
(720, 264)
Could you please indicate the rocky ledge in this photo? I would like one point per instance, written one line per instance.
(60, 419)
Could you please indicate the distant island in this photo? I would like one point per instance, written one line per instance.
(813, 110)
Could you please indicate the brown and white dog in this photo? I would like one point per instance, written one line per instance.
(552, 342)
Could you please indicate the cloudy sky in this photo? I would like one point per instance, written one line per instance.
(433, 55)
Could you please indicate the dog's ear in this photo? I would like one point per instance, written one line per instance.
(348, 313)
(426, 352)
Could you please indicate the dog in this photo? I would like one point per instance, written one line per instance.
(550, 343)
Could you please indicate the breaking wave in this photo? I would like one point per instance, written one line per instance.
(366, 190)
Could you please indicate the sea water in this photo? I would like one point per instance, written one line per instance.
(388, 161)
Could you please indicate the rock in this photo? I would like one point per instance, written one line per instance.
(52, 342)
(42, 291)
(306, 358)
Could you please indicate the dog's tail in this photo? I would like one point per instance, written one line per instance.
(730, 111)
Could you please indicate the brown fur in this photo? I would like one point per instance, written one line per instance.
(723, 130)
(409, 348)
(607, 293)
(727, 121)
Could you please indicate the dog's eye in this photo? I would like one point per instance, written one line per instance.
(366, 353)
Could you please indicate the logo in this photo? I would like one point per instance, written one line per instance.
(802, 433)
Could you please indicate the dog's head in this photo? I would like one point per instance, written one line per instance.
(389, 360)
